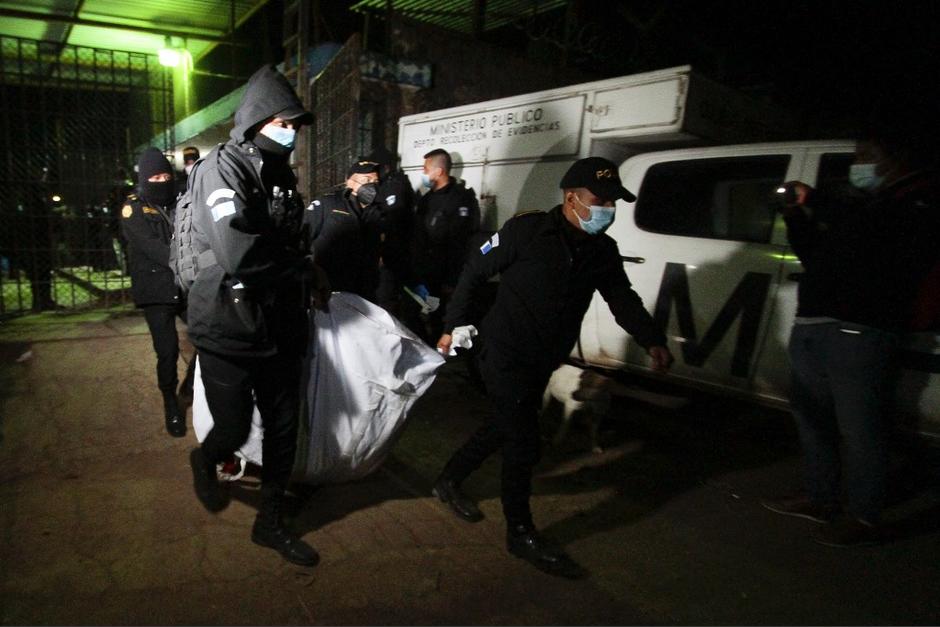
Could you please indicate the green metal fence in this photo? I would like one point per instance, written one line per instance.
(70, 118)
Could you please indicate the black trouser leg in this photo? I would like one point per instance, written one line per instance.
(228, 392)
(388, 293)
(513, 428)
(161, 319)
(277, 387)
(484, 442)
(517, 418)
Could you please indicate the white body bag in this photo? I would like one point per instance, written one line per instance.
(366, 370)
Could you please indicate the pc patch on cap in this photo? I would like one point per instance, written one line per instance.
(598, 175)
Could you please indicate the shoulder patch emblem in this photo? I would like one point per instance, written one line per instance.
(221, 209)
(464, 212)
(127, 211)
(490, 244)
(390, 200)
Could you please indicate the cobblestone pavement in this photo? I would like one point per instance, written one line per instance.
(100, 525)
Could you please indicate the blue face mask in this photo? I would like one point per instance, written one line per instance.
(862, 176)
(283, 136)
(601, 218)
(426, 180)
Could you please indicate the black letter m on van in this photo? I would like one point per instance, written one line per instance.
(747, 300)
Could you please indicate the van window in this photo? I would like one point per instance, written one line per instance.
(728, 198)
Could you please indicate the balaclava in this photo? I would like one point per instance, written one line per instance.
(151, 162)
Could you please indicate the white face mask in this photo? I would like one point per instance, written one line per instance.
(601, 218)
(862, 176)
(188, 168)
(282, 135)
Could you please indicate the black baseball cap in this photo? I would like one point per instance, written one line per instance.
(598, 175)
(363, 166)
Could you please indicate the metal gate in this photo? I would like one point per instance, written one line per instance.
(71, 118)
(334, 97)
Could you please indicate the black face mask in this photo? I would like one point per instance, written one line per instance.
(161, 193)
(367, 193)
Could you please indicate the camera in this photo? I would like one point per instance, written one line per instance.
(787, 194)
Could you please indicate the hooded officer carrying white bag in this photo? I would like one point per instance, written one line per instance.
(366, 372)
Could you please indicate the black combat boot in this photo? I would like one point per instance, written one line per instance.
(523, 541)
(175, 418)
(213, 496)
(269, 531)
(448, 490)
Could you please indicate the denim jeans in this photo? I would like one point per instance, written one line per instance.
(840, 372)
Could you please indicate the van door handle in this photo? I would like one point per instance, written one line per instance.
(632, 259)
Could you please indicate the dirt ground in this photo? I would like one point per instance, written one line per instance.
(100, 525)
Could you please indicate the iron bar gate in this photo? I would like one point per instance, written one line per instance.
(334, 98)
(71, 118)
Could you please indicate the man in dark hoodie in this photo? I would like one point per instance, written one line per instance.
(147, 224)
(248, 304)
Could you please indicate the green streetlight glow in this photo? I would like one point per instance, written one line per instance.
(169, 57)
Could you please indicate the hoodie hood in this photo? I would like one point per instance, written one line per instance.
(267, 94)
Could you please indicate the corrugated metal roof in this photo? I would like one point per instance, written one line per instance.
(458, 14)
(194, 17)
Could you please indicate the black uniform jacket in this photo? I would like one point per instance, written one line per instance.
(548, 273)
(148, 230)
(345, 242)
(444, 222)
(866, 256)
(396, 200)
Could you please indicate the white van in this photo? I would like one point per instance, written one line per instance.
(704, 244)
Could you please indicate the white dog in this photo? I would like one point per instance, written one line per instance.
(589, 393)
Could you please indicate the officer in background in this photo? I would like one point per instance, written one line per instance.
(147, 225)
(446, 218)
(549, 264)
(396, 208)
(190, 157)
(344, 231)
(248, 310)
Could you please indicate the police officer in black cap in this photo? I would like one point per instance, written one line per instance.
(147, 225)
(445, 220)
(190, 157)
(396, 200)
(549, 264)
(248, 305)
(344, 229)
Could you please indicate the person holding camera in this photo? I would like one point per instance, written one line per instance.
(865, 256)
